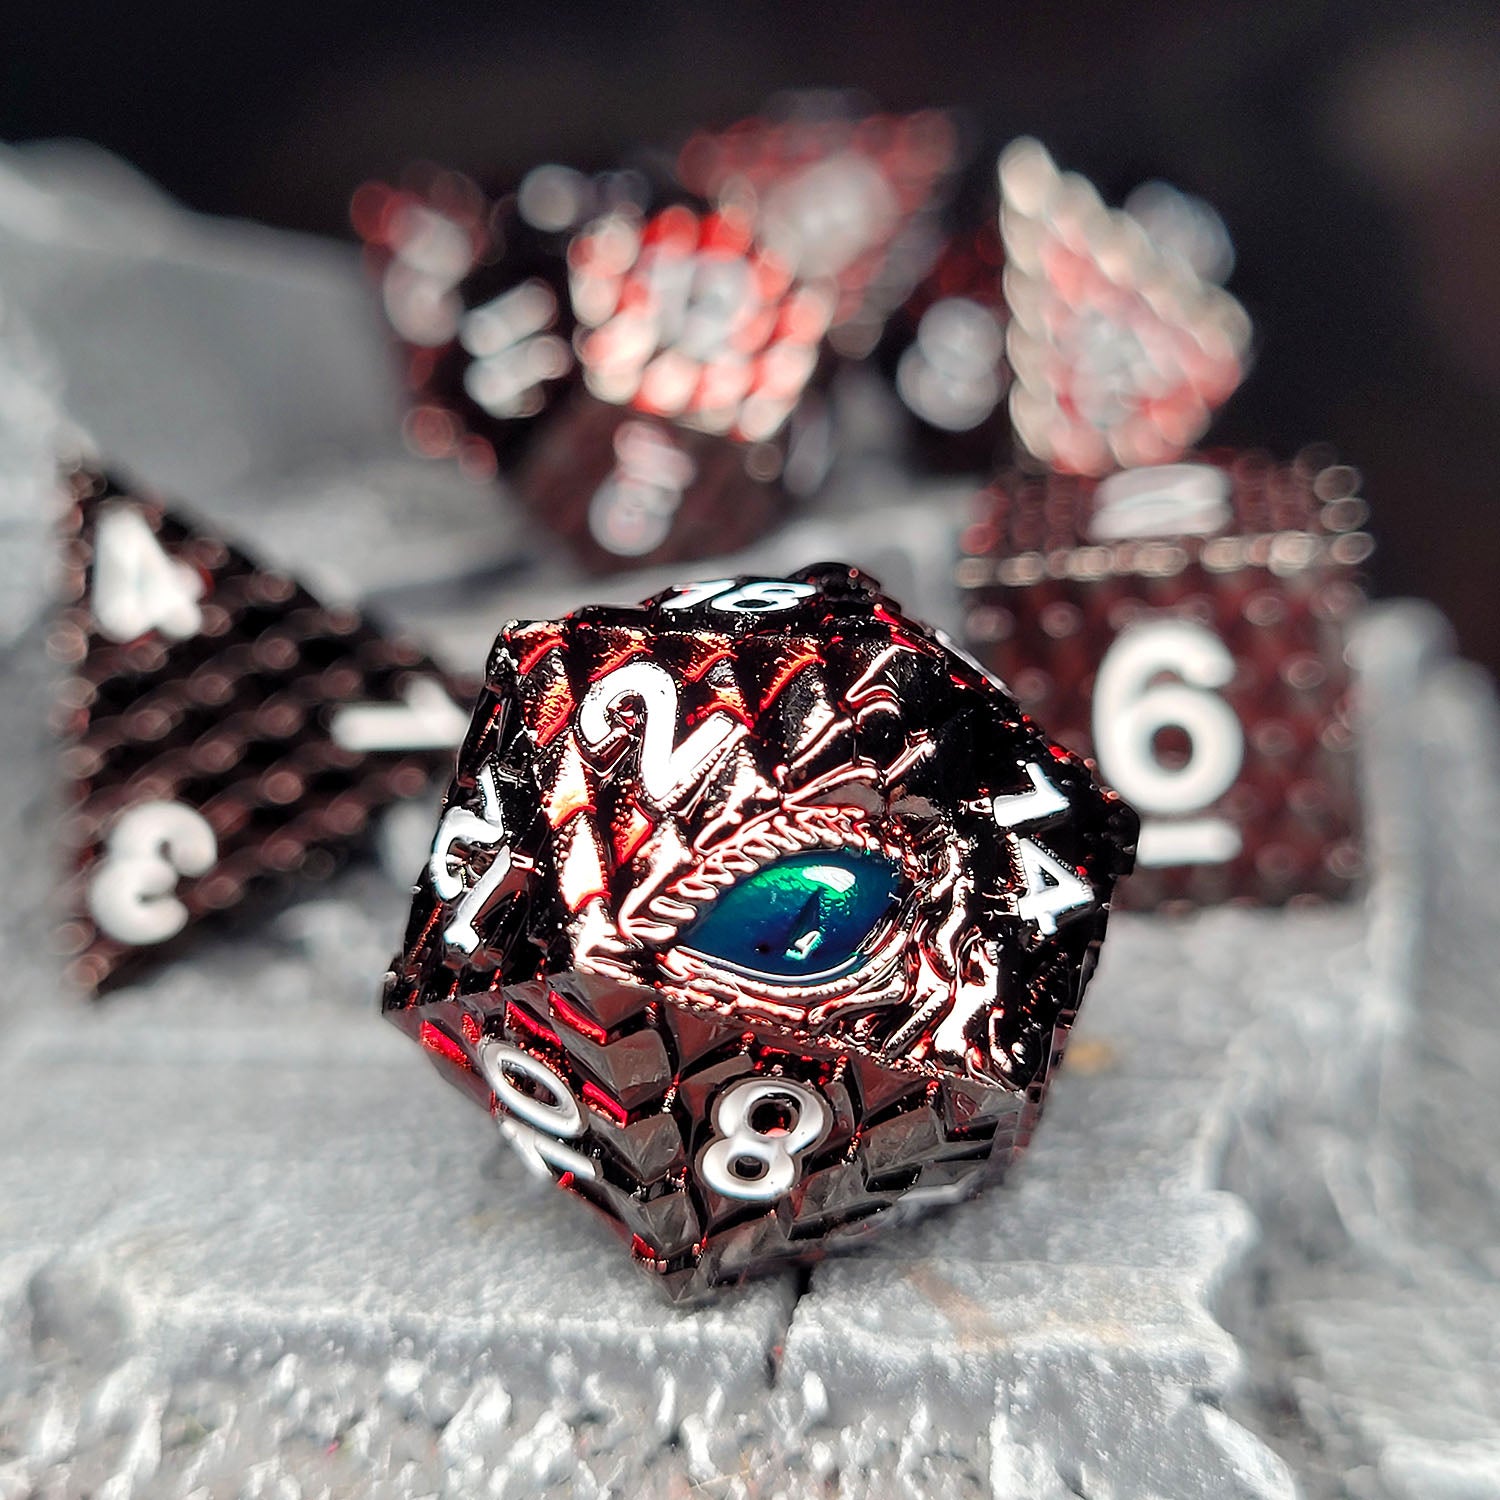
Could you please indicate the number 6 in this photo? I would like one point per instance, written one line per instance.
(1131, 708)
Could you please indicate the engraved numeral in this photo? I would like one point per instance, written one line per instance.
(1132, 706)
(432, 254)
(536, 1126)
(460, 825)
(631, 512)
(763, 1125)
(136, 586)
(426, 718)
(514, 351)
(760, 596)
(1043, 801)
(1052, 887)
(668, 768)
(132, 893)
(1163, 500)
(950, 375)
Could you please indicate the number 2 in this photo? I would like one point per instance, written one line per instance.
(667, 770)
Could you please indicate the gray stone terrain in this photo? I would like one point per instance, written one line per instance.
(251, 1246)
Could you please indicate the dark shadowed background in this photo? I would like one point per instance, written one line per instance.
(1354, 151)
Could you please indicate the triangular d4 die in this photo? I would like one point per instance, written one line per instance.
(224, 732)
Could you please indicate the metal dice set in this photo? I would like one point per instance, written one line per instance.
(758, 909)
(645, 352)
(753, 911)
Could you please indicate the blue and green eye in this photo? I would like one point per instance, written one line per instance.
(808, 916)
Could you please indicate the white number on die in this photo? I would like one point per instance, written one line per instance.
(763, 1124)
(535, 1126)
(1158, 676)
(950, 375)
(515, 352)
(132, 893)
(1052, 887)
(668, 768)
(1043, 801)
(486, 830)
(136, 586)
(758, 597)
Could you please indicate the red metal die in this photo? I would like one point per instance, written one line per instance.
(626, 488)
(1185, 625)
(836, 195)
(224, 732)
(754, 911)
(570, 294)
(1120, 351)
(697, 349)
(475, 286)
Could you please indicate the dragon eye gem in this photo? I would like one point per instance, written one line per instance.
(805, 917)
(753, 911)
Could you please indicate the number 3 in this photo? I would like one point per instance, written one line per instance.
(131, 895)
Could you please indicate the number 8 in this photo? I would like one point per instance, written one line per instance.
(769, 1153)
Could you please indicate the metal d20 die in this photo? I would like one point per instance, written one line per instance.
(754, 911)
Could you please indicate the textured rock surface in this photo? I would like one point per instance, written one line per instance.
(249, 1246)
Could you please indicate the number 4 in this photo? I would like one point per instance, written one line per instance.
(1052, 887)
(137, 587)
